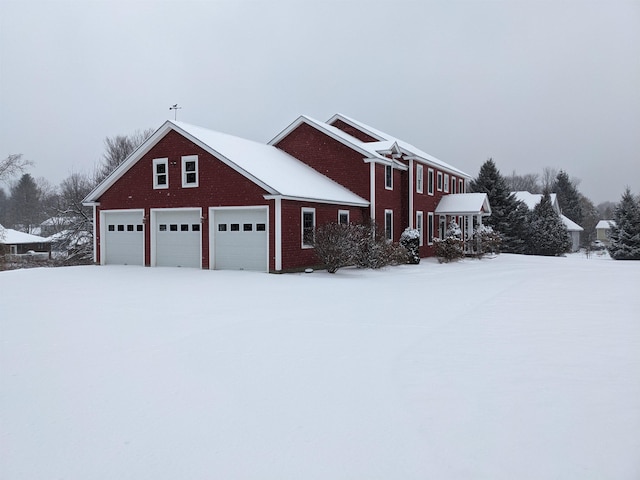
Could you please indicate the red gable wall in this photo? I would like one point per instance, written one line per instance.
(354, 132)
(329, 157)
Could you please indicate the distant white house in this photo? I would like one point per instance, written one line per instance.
(532, 199)
(603, 230)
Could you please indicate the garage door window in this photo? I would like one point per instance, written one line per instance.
(190, 171)
(261, 227)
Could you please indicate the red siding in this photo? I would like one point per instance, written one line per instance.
(294, 257)
(329, 157)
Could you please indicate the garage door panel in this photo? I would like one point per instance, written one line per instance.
(240, 239)
(123, 242)
(178, 239)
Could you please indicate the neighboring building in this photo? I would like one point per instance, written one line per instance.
(193, 197)
(532, 199)
(20, 243)
(603, 230)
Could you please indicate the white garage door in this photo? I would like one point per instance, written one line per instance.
(177, 239)
(240, 239)
(123, 241)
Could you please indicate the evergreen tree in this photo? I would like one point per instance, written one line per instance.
(624, 243)
(24, 205)
(568, 197)
(508, 215)
(547, 234)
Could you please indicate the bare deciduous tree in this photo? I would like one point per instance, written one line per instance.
(14, 164)
(117, 149)
(529, 182)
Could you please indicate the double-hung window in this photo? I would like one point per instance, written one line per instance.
(388, 177)
(308, 227)
(460, 185)
(420, 226)
(160, 173)
(419, 175)
(439, 181)
(453, 184)
(430, 228)
(446, 183)
(343, 217)
(430, 181)
(190, 171)
(388, 224)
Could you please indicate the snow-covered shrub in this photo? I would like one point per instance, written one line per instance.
(452, 246)
(335, 245)
(374, 250)
(486, 240)
(410, 240)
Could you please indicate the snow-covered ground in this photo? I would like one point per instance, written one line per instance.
(508, 368)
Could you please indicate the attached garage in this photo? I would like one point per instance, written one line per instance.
(122, 237)
(240, 238)
(176, 238)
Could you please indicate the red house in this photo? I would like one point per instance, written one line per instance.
(193, 197)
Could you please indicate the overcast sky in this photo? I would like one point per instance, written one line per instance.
(531, 83)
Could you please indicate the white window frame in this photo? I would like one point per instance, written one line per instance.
(156, 162)
(419, 178)
(343, 212)
(185, 159)
(420, 226)
(442, 226)
(453, 184)
(430, 180)
(439, 182)
(460, 185)
(312, 211)
(388, 225)
(446, 183)
(430, 228)
(388, 177)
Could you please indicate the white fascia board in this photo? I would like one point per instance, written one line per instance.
(386, 161)
(364, 203)
(356, 125)
(426, 161)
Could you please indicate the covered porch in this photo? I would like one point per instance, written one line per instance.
(471, 208)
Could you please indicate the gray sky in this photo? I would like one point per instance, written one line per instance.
(531, 83)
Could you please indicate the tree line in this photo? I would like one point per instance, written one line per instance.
(541, 231)
(30, 201)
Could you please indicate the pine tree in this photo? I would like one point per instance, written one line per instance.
(24, 204)
(508, 215)
(624, 243)
(568, 197)
(547, 234)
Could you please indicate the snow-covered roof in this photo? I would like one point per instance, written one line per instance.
(276, 171)
(372, 150)
(464, 204)
(532, 199)
(571, 225)
(9, 236)
(605, 224)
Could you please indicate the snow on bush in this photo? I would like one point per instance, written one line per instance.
(410, 240)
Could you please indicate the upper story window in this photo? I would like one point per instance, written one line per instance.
(388, 177)
(419, 176)
(453, 184)
(439, 181)
(446, 183)
(343, 217)
(160, 173)
(308, 227)
(388, 224)
(190, 171)
(430, 181)
(460, 185)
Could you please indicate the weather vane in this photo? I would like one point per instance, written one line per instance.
(175, 108)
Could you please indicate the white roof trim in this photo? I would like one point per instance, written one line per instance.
(464, 204)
